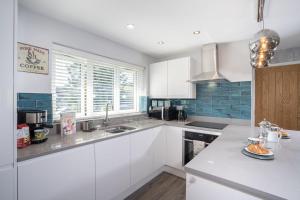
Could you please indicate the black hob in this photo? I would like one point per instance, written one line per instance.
(210, 125)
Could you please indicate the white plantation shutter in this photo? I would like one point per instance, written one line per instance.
(127, 85)
(85, 86)
(68, 84)
(103, 87)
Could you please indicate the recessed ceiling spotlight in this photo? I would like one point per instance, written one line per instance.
(130, 26)
(196, 32)
(161, 42)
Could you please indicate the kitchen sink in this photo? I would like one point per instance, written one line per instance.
(119, 129)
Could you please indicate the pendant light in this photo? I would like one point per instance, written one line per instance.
(264, 42)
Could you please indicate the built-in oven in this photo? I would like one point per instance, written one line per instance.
(194, 142)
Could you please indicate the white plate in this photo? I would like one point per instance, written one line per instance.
(268, 154)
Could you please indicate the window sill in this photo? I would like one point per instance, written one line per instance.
(119, 115)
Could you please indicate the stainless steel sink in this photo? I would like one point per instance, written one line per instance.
(119, 129)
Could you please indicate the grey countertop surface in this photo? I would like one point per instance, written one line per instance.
(56, 142)
(223, 162)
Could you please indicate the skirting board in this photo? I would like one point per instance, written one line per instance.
(174, 171)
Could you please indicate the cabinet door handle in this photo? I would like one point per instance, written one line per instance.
(192, 180)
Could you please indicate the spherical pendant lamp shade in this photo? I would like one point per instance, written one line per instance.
(262, 47)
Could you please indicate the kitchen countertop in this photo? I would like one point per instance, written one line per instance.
(223, 162)
(56, 142)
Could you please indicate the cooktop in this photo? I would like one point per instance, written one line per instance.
(207, 125)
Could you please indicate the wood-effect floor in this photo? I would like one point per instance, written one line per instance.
(163, 187)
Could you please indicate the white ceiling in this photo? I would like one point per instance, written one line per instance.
(173, 21)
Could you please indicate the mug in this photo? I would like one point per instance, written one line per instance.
(273, 136)
(41, 133)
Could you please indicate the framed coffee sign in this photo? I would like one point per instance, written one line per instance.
(32, 59)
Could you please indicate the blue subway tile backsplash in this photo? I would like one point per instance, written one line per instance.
(36, 101)
(143, 103)
(218, 99)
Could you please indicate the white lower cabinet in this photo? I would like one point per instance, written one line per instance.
(66, 175)
(112, 167)
(173, 146)
(158, 146)
(7, 183)
(141, 155)
(200, 188)
(102, 171)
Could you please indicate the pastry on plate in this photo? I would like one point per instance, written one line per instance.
(258, 149)
(283, 133)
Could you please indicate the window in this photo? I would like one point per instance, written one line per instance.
(103, 87)
(68, 84)
(85, 86)
(127, 81)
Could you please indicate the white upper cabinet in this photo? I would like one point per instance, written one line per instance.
(169, 79)
(112, 167)
(158, 80)
(179, 73)
(6, 82)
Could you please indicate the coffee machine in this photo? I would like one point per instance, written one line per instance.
(37, 122)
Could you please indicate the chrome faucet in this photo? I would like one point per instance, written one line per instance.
(105, 122)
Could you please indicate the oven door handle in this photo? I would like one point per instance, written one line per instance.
(188, 140)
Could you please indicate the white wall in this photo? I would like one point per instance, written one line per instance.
(42, 31)
(234, 61)
(286, 56)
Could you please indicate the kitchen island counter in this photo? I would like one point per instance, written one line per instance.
(222, 162)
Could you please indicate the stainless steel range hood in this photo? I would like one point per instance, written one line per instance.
(209, 66)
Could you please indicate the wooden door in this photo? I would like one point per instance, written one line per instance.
(277, 96)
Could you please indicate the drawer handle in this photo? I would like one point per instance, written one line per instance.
(192, 180)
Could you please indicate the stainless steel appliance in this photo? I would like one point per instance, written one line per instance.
(195, 140)
(32, 116)
(193, 143)
(210, 125)
(182, 115)
(162, 113)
